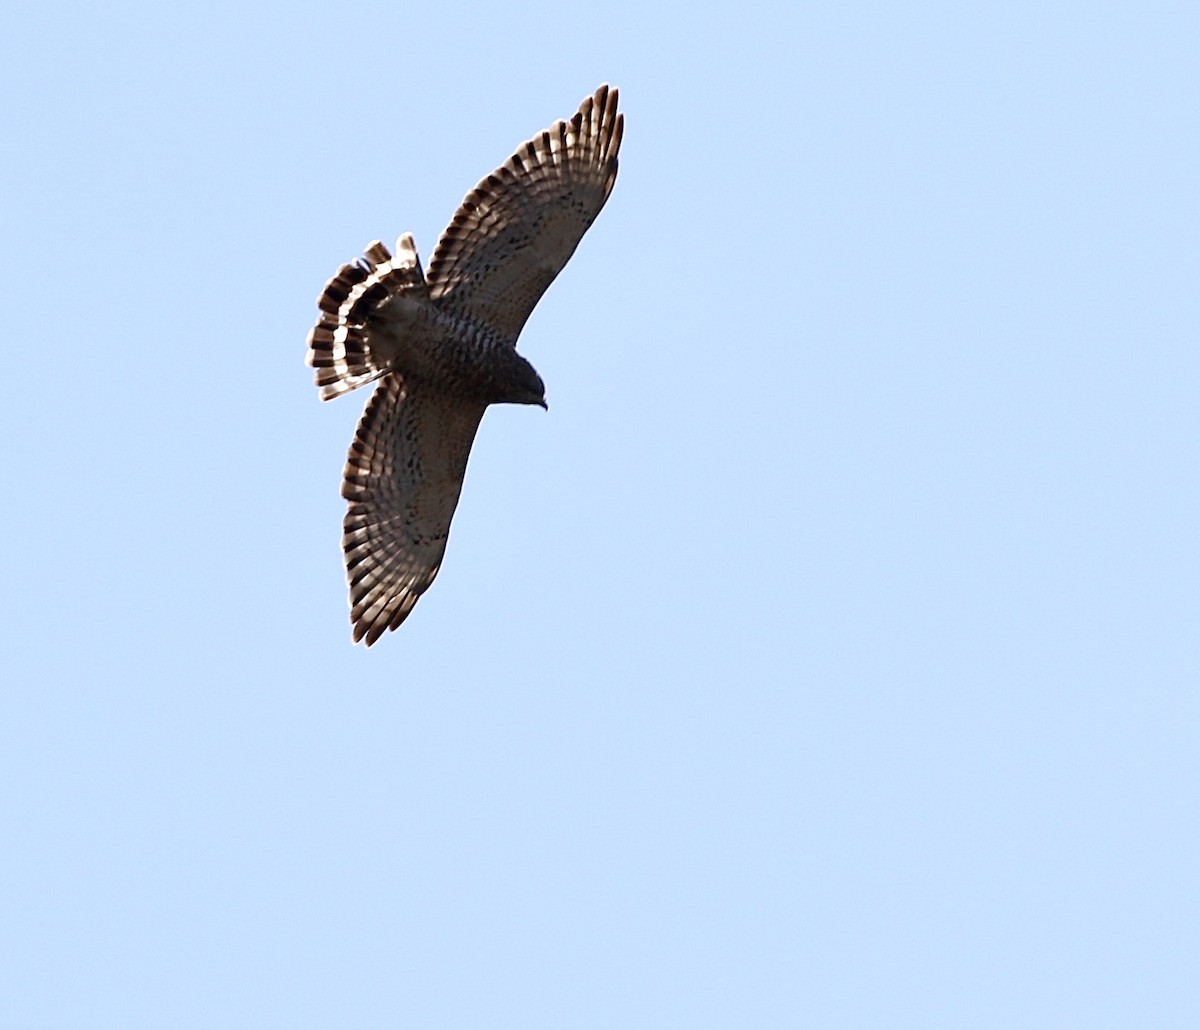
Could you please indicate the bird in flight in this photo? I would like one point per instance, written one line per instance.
(442, 344)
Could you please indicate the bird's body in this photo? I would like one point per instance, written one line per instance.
(443, 346)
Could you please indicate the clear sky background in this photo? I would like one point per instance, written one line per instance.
(827, 656)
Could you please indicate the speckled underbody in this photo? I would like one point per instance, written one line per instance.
(426, 345)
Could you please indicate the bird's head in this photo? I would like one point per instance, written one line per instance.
(520, 383)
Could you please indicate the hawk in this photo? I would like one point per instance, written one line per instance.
(442, 344)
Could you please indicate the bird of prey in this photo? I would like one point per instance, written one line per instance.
(442, 344)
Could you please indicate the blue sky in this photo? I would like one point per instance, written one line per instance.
(826, 655)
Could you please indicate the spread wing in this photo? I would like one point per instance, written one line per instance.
(515, 230)
(403, 477)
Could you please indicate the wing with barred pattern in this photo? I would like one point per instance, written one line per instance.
(514, 231)
(403, 477)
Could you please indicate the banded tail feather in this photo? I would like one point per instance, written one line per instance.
(339, 345)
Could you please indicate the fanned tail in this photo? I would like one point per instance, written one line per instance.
(339, 345)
